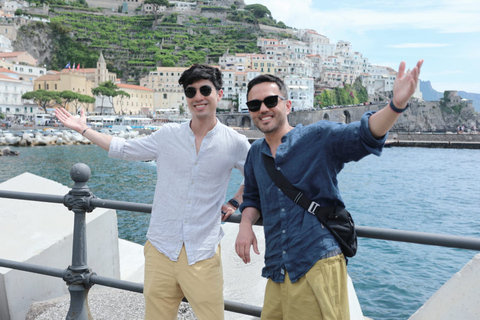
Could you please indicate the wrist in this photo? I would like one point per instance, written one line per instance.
(395, 108)
(82, 132)
(234, 203)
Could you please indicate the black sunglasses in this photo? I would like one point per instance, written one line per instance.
(205, 90)
(270, 102)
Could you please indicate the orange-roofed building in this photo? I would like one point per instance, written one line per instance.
(139, 103)
(20, 57)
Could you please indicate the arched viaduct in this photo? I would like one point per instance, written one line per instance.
(344, 115)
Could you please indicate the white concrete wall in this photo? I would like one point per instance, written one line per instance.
(41, 233)
(458, 298)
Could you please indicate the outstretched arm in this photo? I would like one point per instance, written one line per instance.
(80, 125)
(403, 88)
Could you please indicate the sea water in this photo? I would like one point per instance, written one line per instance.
(414, 189)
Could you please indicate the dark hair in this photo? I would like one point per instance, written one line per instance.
(268, 78)
(199, 72)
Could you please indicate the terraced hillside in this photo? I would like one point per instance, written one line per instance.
(133, 45)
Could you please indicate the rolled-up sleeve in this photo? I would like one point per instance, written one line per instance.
(251, 196)
(141, 149)
(372, 144)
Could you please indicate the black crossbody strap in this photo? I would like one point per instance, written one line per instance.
(292, 192)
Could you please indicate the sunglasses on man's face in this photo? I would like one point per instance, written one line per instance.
(205, 90)
(270, 102)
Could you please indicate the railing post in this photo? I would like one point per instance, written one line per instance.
(77, 276)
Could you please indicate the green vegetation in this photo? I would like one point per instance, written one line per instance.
(134, 45)
(72, 3)
(109, 90)
(343, 96)
(449, 109)
(43, 98)
(46, 98)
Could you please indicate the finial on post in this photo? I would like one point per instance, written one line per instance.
(80, 173)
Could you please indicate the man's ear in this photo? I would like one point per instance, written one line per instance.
(288, 106)
(220, 94)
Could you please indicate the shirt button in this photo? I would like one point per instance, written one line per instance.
(192, 182)
(186, 221)
(283, 210)
(278, 168)
(283, 231)
(284, 252)
(181, 240)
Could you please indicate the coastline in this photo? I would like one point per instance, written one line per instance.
(396, 139)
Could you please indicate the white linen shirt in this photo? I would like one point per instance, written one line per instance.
(190, 187)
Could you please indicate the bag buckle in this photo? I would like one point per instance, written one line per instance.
(313, 206)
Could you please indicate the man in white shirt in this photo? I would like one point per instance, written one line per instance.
(194, 163)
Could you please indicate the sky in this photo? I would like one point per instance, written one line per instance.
(446, 34)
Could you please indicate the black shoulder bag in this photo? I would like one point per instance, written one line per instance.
(337, 219)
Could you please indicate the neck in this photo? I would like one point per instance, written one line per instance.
(201, 127)
(274, 139)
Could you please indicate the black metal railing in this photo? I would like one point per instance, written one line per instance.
(80, 278)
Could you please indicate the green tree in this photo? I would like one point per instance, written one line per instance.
(106, 90)
(259, 10)
(43, 98)
(75, 99)
(122, 95)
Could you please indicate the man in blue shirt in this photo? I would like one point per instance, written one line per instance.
(305, 267)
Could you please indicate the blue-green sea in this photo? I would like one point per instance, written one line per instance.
(415, 189)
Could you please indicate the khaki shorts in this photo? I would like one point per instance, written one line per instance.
(167, 282)
(321, 294)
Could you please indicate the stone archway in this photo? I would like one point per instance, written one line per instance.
(348, 116)
(246, 122)
(231, 121)
(326, 117)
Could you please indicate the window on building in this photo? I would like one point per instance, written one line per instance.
(55, 86)
(165, 96)
(48, 86)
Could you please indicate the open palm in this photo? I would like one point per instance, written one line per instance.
(405, 84)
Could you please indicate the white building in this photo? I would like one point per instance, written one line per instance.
(28, 73)
(5, 44)
(319, 44)
(229, 91)
(298, 49)
(11, 90)
(242, 89)
(300, 91)
(378, 79)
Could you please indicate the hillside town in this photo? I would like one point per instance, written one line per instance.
(308, 62)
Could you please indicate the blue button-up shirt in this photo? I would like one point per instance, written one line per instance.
(310, 157)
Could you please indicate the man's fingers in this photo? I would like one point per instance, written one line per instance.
(243, 252)
(401, 70)
(255, 246)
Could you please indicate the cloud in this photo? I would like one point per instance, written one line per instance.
(440, 16)
(419, 45)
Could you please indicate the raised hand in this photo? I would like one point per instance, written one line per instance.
(75, 123)
(405, 84)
